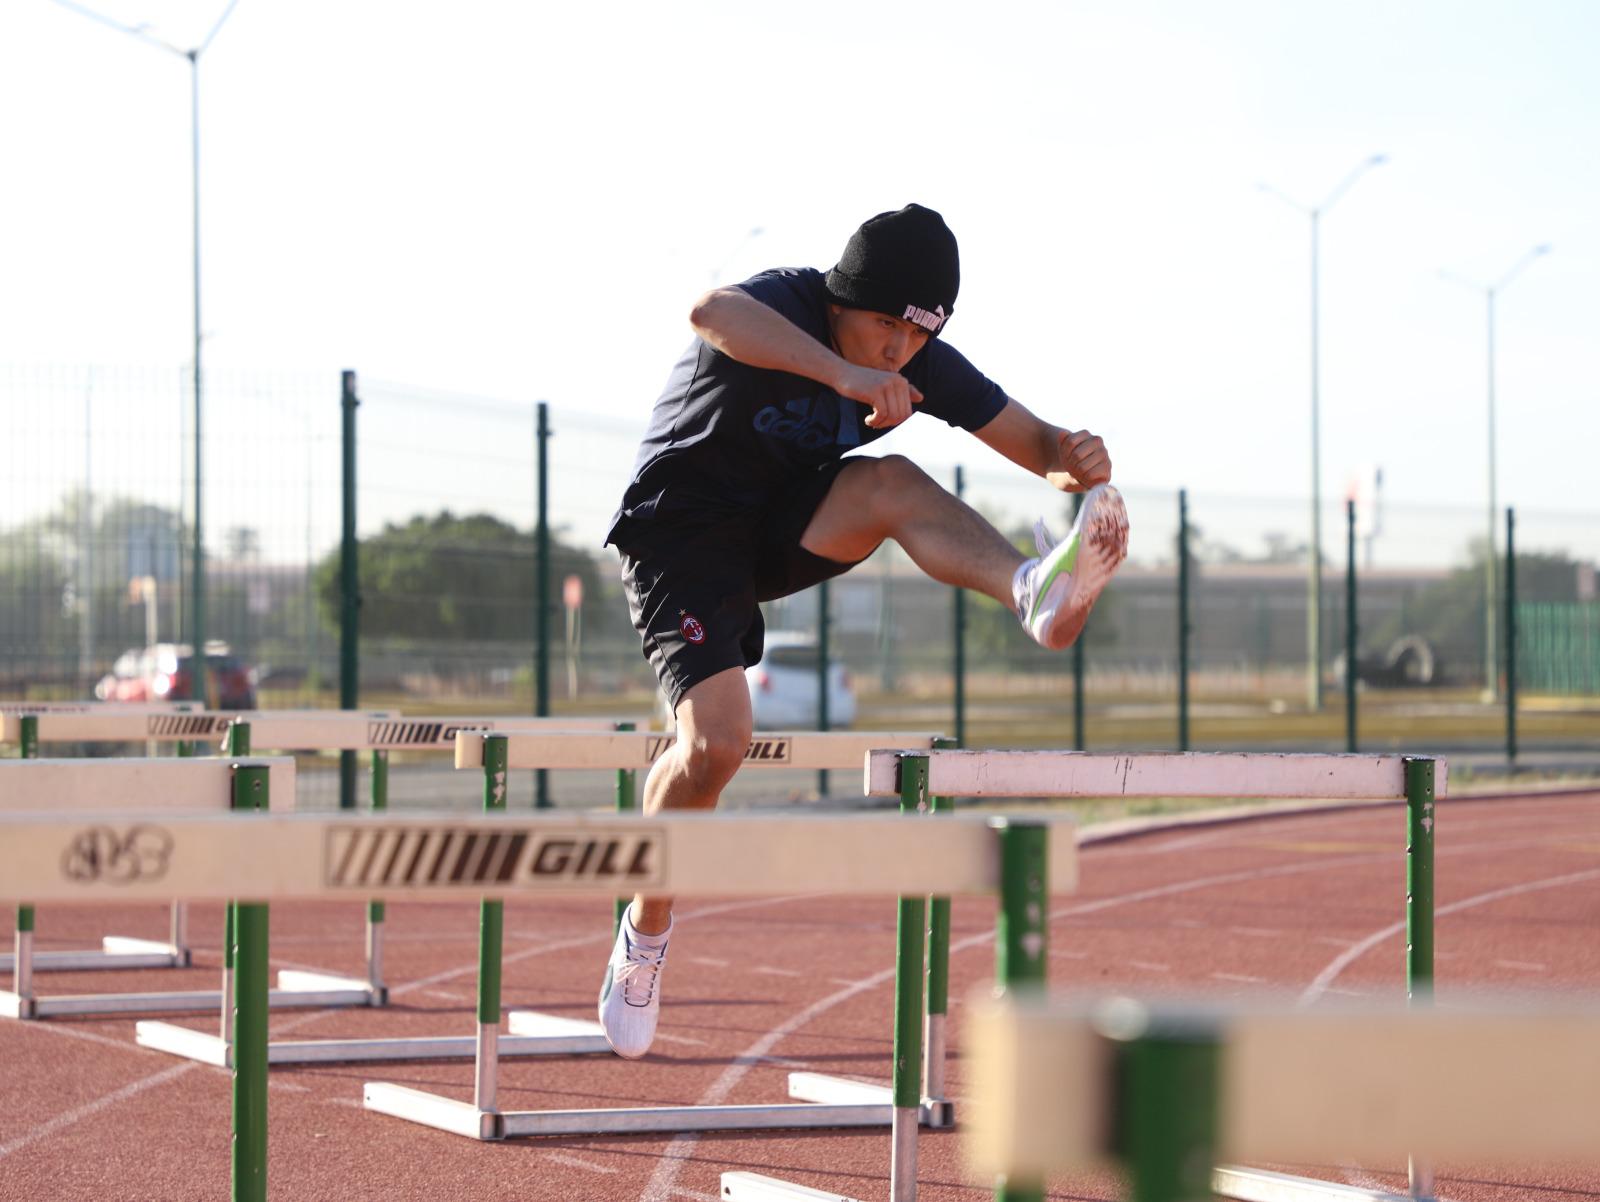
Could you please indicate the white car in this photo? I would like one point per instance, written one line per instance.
(783, 686)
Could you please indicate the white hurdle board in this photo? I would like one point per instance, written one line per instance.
(124, 854)
(439, 856)
(1161, 774)
(637, 750)
(1368, 1083)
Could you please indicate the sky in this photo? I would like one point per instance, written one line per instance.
(522, 201)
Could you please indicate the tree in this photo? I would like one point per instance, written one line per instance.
(455, 578)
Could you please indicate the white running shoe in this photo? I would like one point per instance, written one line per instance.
(1055, 592)
(630, 995)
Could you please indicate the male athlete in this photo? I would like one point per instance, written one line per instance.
(742, 494)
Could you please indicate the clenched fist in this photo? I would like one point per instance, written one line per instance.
(1081, 462)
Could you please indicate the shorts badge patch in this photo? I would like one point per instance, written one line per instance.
(689, 626)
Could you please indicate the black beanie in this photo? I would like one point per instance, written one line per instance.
(904, 264)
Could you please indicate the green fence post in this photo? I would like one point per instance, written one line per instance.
(541, 595)
(22, 942)
(627, 802)
(934, 1040)
(235, 742)
(1022, 936)
(1183, 619)
(349, 585)
(377, 913)
(491, 937)
(1352, 672)
(960, 620)
(823, 722)
(910, 937)
(1078, 739)
(1164, 1124)
(248, 1050)
(1511, 635)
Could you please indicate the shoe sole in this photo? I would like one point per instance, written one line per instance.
(1102, 534)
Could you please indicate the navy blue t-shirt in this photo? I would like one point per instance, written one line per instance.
(725, 435)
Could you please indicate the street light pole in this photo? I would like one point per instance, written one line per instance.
(1314, 576)
(1491, 564)
(197, 602)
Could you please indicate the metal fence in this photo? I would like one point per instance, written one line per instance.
(458, 601)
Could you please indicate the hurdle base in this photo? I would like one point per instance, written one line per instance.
(935, 1113)
(463, 1118)
(212, 1049)
(117, 951)
(300, 980)
(446, 1114)
(753, 1187)
(348, 992)
(1259, 1185)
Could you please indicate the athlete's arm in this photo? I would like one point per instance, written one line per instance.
(1071, 460)
(743, 328)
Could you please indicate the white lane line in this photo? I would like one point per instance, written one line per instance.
(1149, 967)
(446, 995)
(87, 1036)
(1240, 977)
(683, 1039)
(1254, 932)
(577, 1162)
(63, 1121)
(708, 960)
(1193, 924)
(1522, 965)
(777, 972)
(1327, 976)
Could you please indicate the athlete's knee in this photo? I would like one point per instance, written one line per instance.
(898, 483)
(711, 757)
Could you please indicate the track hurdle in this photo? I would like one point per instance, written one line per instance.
(1416, 781)
(1171, 1091)
(154, 724)
(115, 951)
(128, 852)
(379, 734)
(265, 857)
(819, 1100)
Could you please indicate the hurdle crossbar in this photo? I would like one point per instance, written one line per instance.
(1369, 1083)
(448, 856)
(1175, 774)
(633, 750)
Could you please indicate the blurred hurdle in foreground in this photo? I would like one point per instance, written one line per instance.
(379, 734)
(253, 857)
(1171, 1091)
(820, 1101)
(1413, 780)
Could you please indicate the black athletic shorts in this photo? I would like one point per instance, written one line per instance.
(693, 580)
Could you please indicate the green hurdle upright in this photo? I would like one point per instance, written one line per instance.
(22, 961)
(247, 951)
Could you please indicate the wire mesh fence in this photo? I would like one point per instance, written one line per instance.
(457, 602)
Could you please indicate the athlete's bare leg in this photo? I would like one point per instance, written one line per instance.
(714, 725)
(891, 497)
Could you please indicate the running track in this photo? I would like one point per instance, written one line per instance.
(1308, 906)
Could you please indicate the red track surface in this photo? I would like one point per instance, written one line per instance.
(1308, 904)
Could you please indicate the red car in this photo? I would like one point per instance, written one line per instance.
(163, 673)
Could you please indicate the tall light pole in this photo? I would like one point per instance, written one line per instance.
(1314, 578)
(1491, 561)
(197, 603)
